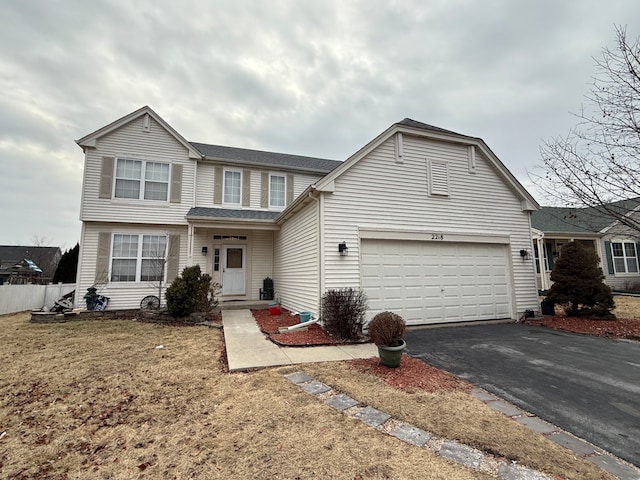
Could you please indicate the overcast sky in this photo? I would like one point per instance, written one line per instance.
(316, 78)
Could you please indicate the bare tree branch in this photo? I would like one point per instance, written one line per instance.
(597, 164)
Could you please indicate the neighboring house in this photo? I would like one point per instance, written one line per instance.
(428, 222)
(614, 243)
(26, 264)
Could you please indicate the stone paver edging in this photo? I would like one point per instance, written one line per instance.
(582, 448)
(381, 421)
(458, 452)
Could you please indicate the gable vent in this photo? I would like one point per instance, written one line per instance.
(438, 177)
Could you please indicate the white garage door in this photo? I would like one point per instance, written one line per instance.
(436, 282)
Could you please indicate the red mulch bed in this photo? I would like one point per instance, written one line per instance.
(620, 328)
(314, 335)
(412, 375)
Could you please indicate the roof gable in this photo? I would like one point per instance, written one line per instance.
(89, 141)
(419, 129)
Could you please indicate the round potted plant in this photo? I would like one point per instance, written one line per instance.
(386, 330)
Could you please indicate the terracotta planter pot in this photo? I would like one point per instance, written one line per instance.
(390, 356)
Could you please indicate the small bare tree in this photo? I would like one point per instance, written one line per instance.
(154, 263)
(597, 164)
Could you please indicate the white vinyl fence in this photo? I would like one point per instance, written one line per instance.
(16, 298)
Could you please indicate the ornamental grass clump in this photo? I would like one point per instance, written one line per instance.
(387, 328)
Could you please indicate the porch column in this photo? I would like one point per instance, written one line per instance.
(544, 284)
(190, 245)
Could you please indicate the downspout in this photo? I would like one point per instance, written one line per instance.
(79, 266)
(320, 246)
(190, 227)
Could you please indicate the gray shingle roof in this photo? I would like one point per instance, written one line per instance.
(408, 122)
(269, 159)
(15, 253)
(578, 220)
(570, 220)
(227, 213)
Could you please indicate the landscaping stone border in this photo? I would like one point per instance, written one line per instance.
(150, 316)
(458, 452)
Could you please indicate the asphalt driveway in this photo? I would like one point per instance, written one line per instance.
(585, 385)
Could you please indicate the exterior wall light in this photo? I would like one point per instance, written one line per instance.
(205, 250)
(343, 249)
(524, 254)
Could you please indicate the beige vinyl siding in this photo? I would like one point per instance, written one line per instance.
(130, 141)
(261, 260)
(121, 295)
(206, 178)
(377, 192)
(202, 238)
(296, 276)
(301, 181)
(205, 184)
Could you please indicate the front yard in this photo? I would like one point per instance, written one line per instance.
(123, 399)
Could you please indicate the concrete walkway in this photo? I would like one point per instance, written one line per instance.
(248, 347)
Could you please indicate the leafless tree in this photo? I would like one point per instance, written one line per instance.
(42, 256)
(597, 164)
(158, 256)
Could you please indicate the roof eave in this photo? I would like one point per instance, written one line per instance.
(303, 199)
(228, 219)
(270, 166)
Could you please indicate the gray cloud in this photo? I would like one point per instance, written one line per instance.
(312, 78)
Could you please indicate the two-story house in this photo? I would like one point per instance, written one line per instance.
(428, 222)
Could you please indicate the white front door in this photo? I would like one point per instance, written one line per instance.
(233, 269)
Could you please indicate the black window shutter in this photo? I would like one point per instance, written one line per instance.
(607, 251)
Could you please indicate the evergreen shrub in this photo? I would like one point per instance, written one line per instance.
(578, 283)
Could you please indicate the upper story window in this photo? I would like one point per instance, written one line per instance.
(625, 257)
(138, 258)
(232, 187)
(277, 191)
(141, 180)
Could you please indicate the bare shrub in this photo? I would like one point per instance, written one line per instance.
(343, 312)
(387, 328)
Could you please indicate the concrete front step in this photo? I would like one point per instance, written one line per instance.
(243, 304)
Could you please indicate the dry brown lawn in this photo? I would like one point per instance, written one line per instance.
(627, 307)
(98, 400)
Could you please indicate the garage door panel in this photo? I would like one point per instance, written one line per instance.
(429, 282)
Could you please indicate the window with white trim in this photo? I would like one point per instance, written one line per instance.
(625, 257)
(232, 187)
(277, 190)
(138, 258)
(141, 180)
